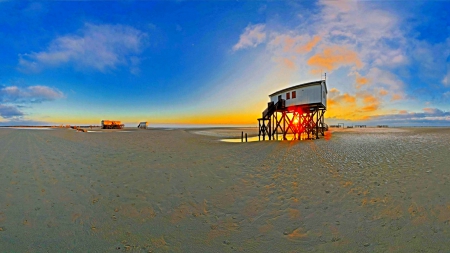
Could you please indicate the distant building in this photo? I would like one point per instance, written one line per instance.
(143, 125)
(112, 124)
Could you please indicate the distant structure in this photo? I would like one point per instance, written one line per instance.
(143, 125)
(112, 124)
(297, 111)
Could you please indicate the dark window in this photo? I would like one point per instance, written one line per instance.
(288, 96)
(294, 94)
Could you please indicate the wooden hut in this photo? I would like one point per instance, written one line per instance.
(112, 124)
(297, 110)
(143, 125)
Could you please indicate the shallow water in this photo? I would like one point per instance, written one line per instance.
(32, 128)
(288, 137)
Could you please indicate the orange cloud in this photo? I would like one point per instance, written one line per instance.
(369, 99)
(308, 46)
(360, 106)
(383, 92)
(360, 81)
(403, 112)
(334, 90)
(370, 102)
(288, 43)
(396, 97)
(331, 102)
(333, 57)
(288, 63)
(299, 44)
(429, 110)
(349, 99)
(370, 108)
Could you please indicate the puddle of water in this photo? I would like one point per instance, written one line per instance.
(289, 137)
(249, 139)
(32, 128)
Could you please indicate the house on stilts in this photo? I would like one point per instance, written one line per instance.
(295, 113)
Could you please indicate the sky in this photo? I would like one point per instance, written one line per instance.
(216, 62)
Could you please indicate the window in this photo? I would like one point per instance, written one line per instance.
(294, 94)
(288, 96)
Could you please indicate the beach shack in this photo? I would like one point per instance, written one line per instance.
(298, 111)
(143, 125)
(308, 94)
(112, 124)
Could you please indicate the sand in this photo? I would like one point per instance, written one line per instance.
(363, 190)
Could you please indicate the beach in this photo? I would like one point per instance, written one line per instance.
(185, 190)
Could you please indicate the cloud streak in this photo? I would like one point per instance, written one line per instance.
(99, 47)
(431, 116)
(12, 96)
(10, 112)
(30, 94)
(252, 36)
(332, 58)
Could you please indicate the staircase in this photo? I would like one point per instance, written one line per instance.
(265, 126)
(271, 108)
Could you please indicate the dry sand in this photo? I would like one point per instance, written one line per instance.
(363, 190)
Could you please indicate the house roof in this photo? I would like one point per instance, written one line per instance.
(300, 86)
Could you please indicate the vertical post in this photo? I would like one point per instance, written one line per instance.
(317, 124)
(297, 125)
(264, 131)
(276, 120)
(259, 131)
(245, 137)
(242, 136)
(323, 122)
(270, 128)
(274, 123)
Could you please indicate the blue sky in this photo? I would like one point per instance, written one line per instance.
(215, 62)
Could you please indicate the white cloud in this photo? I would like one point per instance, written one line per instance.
(9, 112)
(30, 94)
(252, 36)
(386, 79)
(446, 79)
(428, 114)
(12, 96)
(432, 59)
(100, 47)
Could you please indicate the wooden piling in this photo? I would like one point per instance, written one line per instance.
(242, 136)
(245, 137)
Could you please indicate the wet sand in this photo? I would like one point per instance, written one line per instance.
(363, 190)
